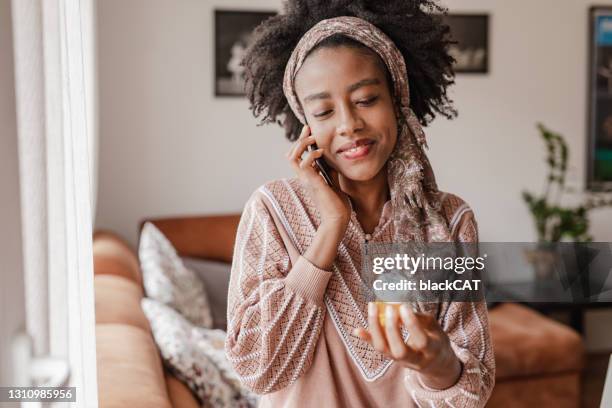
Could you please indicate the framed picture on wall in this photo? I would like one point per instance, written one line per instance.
(233, 30)
(471, 31)
(599, 149)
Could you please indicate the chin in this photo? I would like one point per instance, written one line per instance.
(356, 174)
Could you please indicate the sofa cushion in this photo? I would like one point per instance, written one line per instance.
(197, 357)
(129, 368)
(547, 391)
(117, 300)
(112, 256)
(180, 395)
(216, 276)
(167, 280)
(528, 343)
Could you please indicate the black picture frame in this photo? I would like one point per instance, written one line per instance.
(471, 31)
(599, 124)
(232, 29)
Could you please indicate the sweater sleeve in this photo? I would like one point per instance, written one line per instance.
(467, 326)
(275, 309)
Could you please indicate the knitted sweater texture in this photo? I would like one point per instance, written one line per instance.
(290, 324)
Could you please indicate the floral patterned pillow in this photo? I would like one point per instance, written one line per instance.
(196, 356)
(167, 280)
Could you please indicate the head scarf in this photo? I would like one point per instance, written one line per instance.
(414, 193)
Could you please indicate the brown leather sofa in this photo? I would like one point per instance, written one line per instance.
(538, 360)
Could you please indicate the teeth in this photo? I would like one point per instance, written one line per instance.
(356, 148)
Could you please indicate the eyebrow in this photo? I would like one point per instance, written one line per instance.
(351, 88)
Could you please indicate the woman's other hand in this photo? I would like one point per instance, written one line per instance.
(427, 349)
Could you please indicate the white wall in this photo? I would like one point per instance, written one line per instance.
(168, 146)
(12, 316)
(538, 72)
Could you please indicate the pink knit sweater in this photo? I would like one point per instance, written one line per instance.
(290, 324)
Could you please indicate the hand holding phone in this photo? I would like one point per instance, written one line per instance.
(322, 166)
(333, 204)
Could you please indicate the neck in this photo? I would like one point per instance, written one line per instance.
(367, 197)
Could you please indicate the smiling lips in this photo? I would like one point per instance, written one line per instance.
(356, 150)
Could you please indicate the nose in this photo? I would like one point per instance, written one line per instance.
(349, 123)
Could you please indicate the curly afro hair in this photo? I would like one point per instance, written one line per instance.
(415, 26)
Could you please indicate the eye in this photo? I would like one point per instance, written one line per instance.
(321, 114)
(368, 101)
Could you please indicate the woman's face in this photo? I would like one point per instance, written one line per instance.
(349, 108)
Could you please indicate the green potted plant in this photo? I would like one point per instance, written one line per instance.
(553, 221)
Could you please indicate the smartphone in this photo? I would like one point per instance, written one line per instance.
(323, 167)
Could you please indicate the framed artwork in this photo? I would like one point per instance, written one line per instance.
(471, 31)
(599, 150)
(233, 29)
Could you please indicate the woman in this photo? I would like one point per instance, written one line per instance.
(300, 329)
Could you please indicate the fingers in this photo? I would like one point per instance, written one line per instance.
(297, 149)
(378, 337)
(294, 144)
(303, 134)
(310, 158)
(395, 341)
(422, 354)
(418, 337)
(389, 340)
